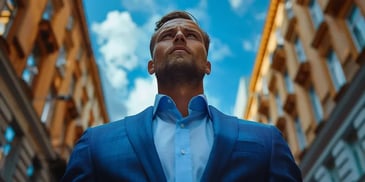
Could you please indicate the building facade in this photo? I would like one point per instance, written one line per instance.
(309, 81)
(50, 90)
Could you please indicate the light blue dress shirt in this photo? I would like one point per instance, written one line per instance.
(182, 143)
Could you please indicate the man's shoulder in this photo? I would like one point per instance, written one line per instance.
(120, 123)
(241, 122)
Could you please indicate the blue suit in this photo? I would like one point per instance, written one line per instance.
(124, 151)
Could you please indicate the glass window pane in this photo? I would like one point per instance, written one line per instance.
(30, 171)
(317, 107)
(6, 149)
(279, 105)
(300, 134)
(316, 13)
(336, 71)
(7, 14)
(300, 50)
(288, 8)
(9, 134)
(356, 25)
(48, 11)
(288, 83)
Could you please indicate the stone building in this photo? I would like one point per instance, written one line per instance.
(50, 89)
(309, 81)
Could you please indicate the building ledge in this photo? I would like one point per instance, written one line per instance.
(278, 59)
(290, 103)
(320, 40)
(46, 36)
(302, 76)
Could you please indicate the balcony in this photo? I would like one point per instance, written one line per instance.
(333, 7)
(68, 39)
(4, 46)
(289, 24)
(71, 107)
(303, 2)
(290, 103)
(321, 38)
(302, 76)
(281, 123)
(263, 104)
(361, 57)
(271, 80)
(278, 59)
(46, 36)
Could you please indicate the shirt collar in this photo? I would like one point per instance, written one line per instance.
(198, 103)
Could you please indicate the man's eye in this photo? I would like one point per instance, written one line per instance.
(192, 35)
(166, 36)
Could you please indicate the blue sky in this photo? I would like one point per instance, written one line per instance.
(120, 31)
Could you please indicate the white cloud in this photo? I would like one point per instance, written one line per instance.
(247, 45)
(120, 41)
(218, 50)
(200, 13)
(260, 16)
(142, 95)
(139, 5)
(240, 6)
(116, 77)
(251, 45)
(235, 3)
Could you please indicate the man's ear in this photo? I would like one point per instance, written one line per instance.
(151, 67)
(207, 67)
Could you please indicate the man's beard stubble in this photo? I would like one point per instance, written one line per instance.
(179, 73)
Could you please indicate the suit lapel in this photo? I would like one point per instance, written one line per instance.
(139, 131)
(225, 136)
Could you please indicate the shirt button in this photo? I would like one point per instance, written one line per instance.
(182, 125)
(182, 152)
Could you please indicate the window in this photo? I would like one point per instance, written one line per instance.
(30, 170)
(279, 104)
(61, 61)
(70, 23)
(9, 135)
(288, 83)
(316, 103)
(265, 89)
(48, 11)
(316, 13)
(322, 174)
(79, 53)
(49, 104)
(279, 37)
(31, 69)
(356, 24)
(300, 51)
(7, 14)
(302, 141)
(289, 9)
(335, 69)
(346, 162)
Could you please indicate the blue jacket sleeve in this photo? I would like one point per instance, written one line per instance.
(282, 164)
(80, 167)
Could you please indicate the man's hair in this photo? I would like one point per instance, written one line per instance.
(176, 15)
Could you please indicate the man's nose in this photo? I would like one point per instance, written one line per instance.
(179, 36)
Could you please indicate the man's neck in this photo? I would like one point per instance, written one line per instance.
(181, 94)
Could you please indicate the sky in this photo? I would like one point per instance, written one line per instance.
(120, 32)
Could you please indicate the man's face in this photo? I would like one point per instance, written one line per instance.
(179, 53)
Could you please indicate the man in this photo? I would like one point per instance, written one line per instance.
(181, 138)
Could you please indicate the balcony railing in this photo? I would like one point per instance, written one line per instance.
(278, 59)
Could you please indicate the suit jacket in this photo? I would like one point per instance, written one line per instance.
(125, 151)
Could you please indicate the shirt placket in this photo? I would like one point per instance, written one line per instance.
(183, 161)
